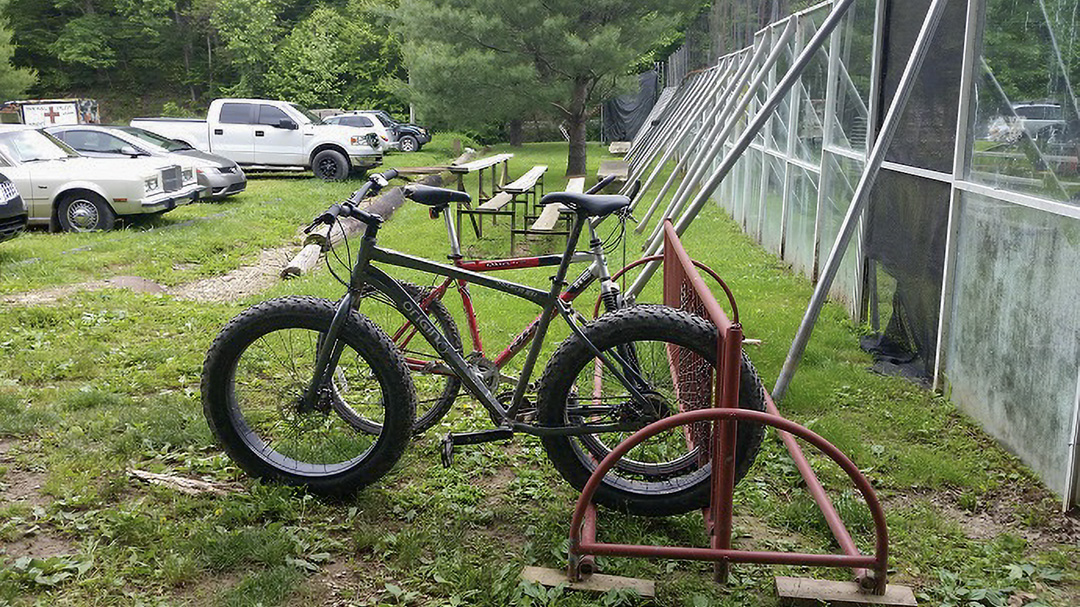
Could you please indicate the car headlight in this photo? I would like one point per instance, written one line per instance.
(356, 140)
(188, 175)
(152, 184)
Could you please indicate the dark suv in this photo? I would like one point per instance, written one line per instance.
(13, 212)
(409, 137)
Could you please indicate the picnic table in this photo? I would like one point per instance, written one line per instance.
(619, 168)
(478, 166)
(551, 214)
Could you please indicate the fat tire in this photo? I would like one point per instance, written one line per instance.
(641, 323)
(445, 321)
(361, 335)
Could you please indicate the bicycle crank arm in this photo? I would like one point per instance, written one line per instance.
(471, 438)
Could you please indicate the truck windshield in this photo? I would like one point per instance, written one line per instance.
(170, 145)
(30, 146)
(307, 113)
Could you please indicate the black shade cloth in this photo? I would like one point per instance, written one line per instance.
(625, 114)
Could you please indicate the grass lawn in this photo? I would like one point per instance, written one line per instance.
(100, 382)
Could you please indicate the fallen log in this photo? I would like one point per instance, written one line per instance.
(304, 262)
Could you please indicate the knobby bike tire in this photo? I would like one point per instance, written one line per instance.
(653, 489)
(250, 391)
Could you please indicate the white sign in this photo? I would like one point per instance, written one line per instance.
(48, 114)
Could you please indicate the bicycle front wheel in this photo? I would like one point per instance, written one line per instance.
(673, 353)
(256, 373)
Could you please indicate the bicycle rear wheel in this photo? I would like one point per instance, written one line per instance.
(256, 372)
(674, 352)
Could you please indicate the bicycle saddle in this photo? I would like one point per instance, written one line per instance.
(433, 196)
(592, 205)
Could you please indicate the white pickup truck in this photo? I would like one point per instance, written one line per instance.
(259, 133)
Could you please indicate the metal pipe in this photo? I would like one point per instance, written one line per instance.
(674, 142)
(862, 195)
(677, 108)
(719, 135)
(680, 119)
(723, 102)
(759, 121)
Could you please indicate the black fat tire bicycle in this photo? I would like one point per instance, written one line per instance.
(311, 392)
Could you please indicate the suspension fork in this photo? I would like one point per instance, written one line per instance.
(331, 346)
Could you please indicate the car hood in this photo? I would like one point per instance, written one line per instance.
(82, 167)
(201, 158)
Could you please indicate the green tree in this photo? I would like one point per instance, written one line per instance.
(578, 51)
(13, 80)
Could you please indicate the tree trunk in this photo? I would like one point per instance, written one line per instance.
(516, 133)
(576, 120)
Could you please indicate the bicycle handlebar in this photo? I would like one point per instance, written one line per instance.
(603, 183)
(350, 208)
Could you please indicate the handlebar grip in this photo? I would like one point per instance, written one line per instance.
(605, 182)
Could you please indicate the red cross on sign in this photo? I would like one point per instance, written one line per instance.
(52, 115)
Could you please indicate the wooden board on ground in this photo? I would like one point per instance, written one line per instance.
(596, 582)
(799, 592)
(619, 168)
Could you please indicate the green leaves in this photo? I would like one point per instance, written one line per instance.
(47, 571)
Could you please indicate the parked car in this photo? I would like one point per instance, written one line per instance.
(13, 216)
(71, 192)
(368, 123)
(220, 177)
(260, 133)
(408, 137)
(1041, 121)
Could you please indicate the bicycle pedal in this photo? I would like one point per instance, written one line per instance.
(447, 450)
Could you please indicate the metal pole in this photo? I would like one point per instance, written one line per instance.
(718, 136)
(702, 89)
(862, 195)
(677, 108)
(762, 117)
(684, 130)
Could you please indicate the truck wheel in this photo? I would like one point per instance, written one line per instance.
(409, 144)
(330, 165)
(85, 212)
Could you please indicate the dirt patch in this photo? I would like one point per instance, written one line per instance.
(999, 513)
(6, 444)
(240, 283)
(21, 486)
(342, 584)
(38, 546)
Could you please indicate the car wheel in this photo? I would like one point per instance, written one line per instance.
(330, 165)
(409, 144)
(85, 213)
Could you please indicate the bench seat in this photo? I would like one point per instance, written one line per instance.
(496, 202)
(527, 181)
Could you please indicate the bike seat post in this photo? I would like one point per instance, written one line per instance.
(451, 232)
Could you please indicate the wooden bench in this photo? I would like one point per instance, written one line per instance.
(478, 166)
(552, 213)
(496, 206)
(619, 168)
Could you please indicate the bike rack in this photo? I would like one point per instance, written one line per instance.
(685, 289)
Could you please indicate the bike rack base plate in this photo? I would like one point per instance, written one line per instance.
(807, 592)
(596, 582)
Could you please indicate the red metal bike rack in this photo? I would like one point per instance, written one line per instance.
(684, 288)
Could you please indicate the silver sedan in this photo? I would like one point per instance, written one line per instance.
(219, 176)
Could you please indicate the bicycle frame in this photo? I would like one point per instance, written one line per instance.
(550, 302)
(598, 270)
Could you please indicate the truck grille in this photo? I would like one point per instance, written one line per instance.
(8, 191)
(170, 179)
